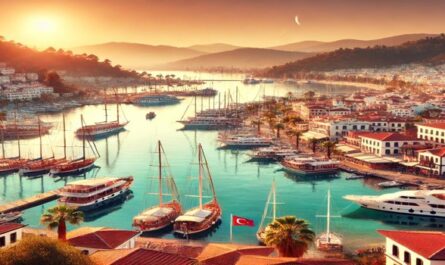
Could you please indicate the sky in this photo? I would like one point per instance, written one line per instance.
(252, 23)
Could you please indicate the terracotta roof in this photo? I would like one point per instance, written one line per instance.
(224, 254)
(7, 227)
(138, 256)
(437, 152)
(103, 238)
(436, 125)
(430, 245)
(389, 136)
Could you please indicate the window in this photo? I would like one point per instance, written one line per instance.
(419, 261)
(407, 257)
(395, 251)
(387, 152)
(396, 151)
(13, 237)
(387, 144)
(396, 144)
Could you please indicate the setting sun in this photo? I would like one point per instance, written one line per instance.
(43, 24)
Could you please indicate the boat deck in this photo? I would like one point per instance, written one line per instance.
(29, 202)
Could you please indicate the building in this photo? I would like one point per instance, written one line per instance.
(414, 247)
(336, 129)
(386, 143)
(434, 132)
(92, 239)
(308, 112)
(432, 161)
(10, 233)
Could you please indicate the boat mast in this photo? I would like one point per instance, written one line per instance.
(160, 173)
(17, 132)
(64, 136)
(274, 209)
(105, 105)
(200, 174)
(83, 137)
(117, 112)
(40, 139)
(3, 142)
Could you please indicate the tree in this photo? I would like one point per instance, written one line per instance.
(329, 147)
(258, 124)
(279, 126)
(297, 134)
(309, 95)
(313, 142)
(58, 216)
(289, 235)
(42, 250)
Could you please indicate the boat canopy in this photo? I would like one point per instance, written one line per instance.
(158, 211)
(195, 215)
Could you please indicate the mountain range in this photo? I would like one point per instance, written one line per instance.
(221, 55)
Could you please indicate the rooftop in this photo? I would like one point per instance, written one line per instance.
(139, 256)
(389, 136)
(430, 245)
(8, 227)
(436, 125)
(103, 238)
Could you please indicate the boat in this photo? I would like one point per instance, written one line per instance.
(10, 164)
(309, 165)
(164, 214)
(91, 194)
(353, 177)
(412, 202)
(206, 215)
(210, 123)
(155, 100)
(329, 241)
(104, 128)
(251, 81)
(73, 166)
(271, 200)
(25, 129)
(10, 217)
(390, 184)
(270, 154)
(40, 165)
(247, 142)
(151, 115)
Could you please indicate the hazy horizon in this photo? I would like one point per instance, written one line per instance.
(181, 23)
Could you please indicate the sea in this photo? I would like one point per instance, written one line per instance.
(241, 186)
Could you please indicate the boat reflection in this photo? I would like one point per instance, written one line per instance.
(104, 211)
(397, 219)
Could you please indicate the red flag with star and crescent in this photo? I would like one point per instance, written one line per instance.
(241, 221)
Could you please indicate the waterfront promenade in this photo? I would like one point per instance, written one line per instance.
(29, 202)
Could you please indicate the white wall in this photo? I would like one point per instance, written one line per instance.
(7, 236)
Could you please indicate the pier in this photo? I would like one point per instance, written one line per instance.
(26, 203)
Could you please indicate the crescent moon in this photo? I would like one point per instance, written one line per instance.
(297, 20)
(238, 221)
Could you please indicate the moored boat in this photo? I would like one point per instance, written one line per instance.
(155, 100)
(271, 200)
(269, 154)
(164, 214)
(412, 202)
(90, 194)
(309, 165)
(206, 215)
(329, 241)
(10, 217)
(151, 115)
(390, 184)
(246, 142)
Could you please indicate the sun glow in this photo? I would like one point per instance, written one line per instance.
(43, 24)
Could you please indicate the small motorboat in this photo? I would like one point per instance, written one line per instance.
(355, 177)
(390, 184)
(10, 217)
(151, 115)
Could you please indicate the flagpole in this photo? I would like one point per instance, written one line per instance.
(231, 227)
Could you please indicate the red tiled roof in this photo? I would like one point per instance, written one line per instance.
(389, 136)
(152, 257)
(7, 227)
(436, 125)
(103, 239)
(430, 245)
(437, 152)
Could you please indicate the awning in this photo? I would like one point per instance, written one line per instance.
(346, 148)
(369, 158)
(311, 134)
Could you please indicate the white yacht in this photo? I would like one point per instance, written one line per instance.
(309, 165)
(247, 142)
(414, 202)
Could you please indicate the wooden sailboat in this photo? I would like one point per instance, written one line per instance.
(75, 166)
(105, 128)
(271, 200)
(206, 215)
(164, 214)
(10, 164)
(329, 241)
(39, 165)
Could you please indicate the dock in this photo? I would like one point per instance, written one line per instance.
(29, 202)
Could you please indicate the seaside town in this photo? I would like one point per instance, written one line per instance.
(322, 151)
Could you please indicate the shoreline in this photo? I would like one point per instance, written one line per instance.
(346, 83)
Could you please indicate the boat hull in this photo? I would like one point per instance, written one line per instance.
(310, 173)
(74, 171)
(102, 132)
(109, 200)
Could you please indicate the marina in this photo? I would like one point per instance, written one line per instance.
(242, 187)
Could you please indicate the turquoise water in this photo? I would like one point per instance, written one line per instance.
(241, 187)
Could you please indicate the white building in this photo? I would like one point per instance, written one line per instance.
(336, 129)
(433, 160)
(10, 233)
(434, 132)
(386, 143)
(92, 239)
(414, 247)
(7, 70)
(401, 111)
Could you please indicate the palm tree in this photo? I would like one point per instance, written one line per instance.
(258, 124)
(297, 134)
(58, 216)
(279, 126)
(313, 142)
(289, 235)
(329, 146)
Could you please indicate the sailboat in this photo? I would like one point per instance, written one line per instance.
(104, 128)
(39, 165)
(329, 241)
(206, 215)
(10, 164)
(261, 233)
(75, 166)
(164, 214)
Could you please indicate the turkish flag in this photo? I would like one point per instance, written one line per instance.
(241, 221)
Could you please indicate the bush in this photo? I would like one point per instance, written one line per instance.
(37, 250)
